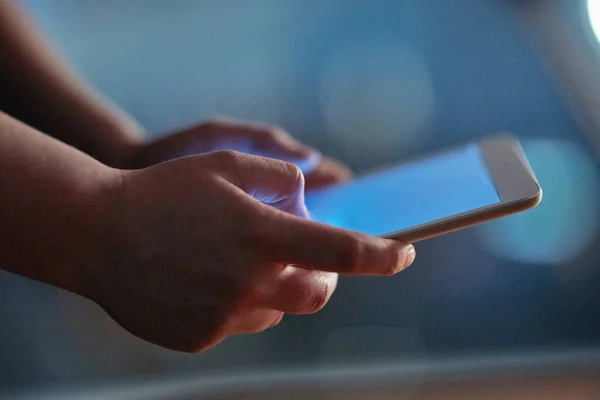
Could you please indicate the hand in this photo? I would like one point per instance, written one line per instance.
(250, 138)
(205, 248)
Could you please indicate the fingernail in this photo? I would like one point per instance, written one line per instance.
(309, 162)
(411, 254)
(406, 257)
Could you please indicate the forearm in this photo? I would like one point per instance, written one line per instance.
(38, 88)
(53, 206)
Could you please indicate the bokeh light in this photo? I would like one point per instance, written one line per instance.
(560, 228)
(376, 95)
(593, 7)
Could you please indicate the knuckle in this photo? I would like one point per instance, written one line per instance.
(320, 297)
(214, 123)
(271, 129)
(296, 175)
(227, 157)
(353, 256)
(392, 261)
(270, 132)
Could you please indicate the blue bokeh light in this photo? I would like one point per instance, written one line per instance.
(565, 222)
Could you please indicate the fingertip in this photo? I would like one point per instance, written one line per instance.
(303, 157)
(308, 160)
(411, 255)
(405, 256)
(277, 320)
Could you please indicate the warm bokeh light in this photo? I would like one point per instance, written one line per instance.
(593, 7)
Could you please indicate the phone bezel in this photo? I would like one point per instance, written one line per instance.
(515, 183)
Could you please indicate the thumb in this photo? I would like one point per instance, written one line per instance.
(269, 141)
(270, 181)
(261, 140)
(286, 148)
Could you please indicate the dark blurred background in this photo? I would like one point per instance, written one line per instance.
(369, 82)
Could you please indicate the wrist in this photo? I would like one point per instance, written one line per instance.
(122, 141)
(91, 248)
(56, 209)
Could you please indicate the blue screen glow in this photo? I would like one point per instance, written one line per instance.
(408, 195)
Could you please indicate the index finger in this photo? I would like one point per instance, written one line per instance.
(313, 245)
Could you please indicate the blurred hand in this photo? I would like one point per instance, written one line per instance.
(249, 138)
(217, 245)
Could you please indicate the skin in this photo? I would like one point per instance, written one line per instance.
(182, 241)
(40, 89)
(247, 137)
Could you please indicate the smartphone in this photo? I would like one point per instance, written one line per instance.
(437, 194)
